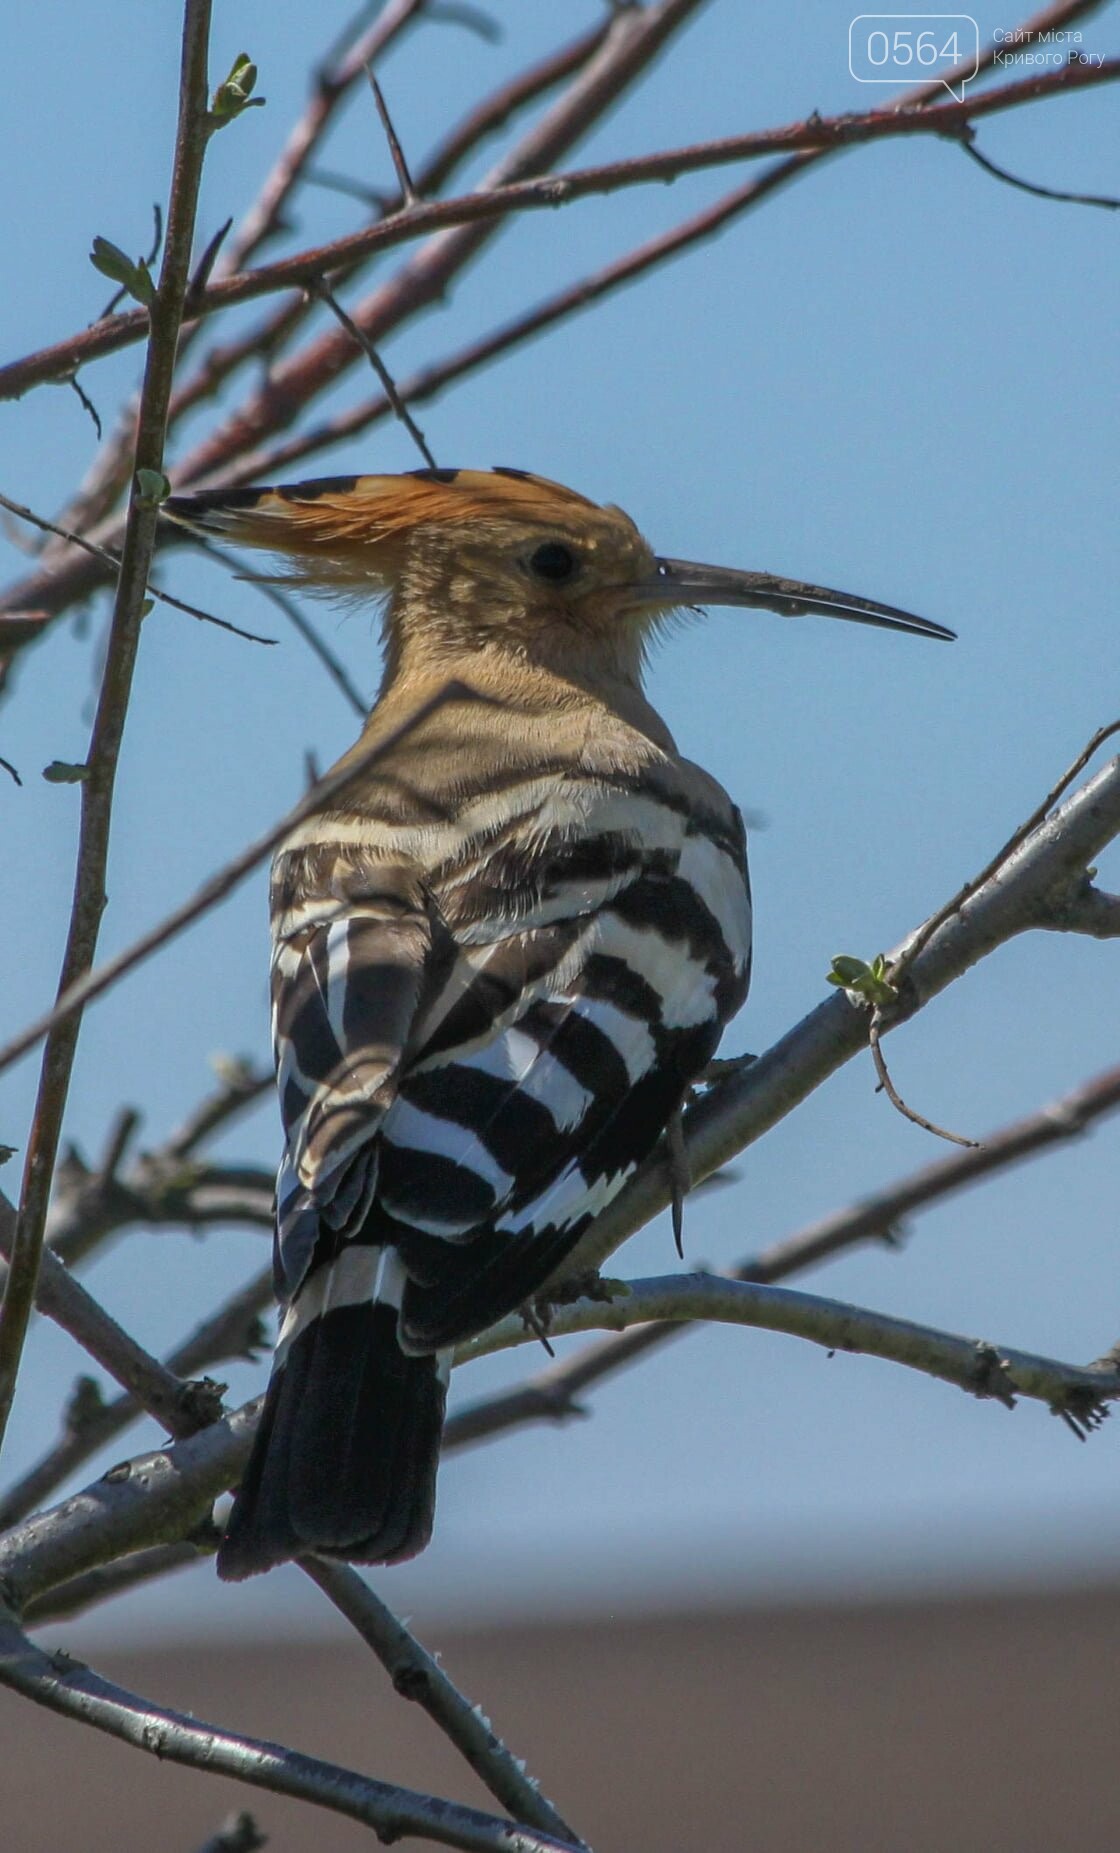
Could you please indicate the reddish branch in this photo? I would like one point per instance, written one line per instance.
(817, 134)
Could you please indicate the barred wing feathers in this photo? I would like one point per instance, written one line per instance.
(478, 1040)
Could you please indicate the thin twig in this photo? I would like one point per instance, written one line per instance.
(75, 997)
(409, 195)
(874, 1031)
(240, 1085)
(1032, 187)
(86, 403)
(75, 579)
(165, 315)
(417, 1676)
(67, 1686)
(431, 379)
(319, 289)
(114, 560)
(299, 624)
(883, 1015)
(817, 134)
(526, 87)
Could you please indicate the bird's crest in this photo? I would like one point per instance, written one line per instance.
(338, 527)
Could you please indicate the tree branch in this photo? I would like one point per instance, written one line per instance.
(103, 483)
(74, 997)
(815, 135)
(181, 1407)
(164, 317)
(551, 1395)
(235, 1330)
(117, 1579)
(417, 1676)
(739, 1109)
(1079, 1393)
(156, 1498)
(74, 1690)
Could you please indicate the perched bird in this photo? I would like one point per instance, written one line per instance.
(499, 959)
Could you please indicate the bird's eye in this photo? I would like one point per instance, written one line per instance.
(554, 562)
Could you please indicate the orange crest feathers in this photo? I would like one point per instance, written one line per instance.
(339, 530)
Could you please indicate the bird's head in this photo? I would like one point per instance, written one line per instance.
(498, 560)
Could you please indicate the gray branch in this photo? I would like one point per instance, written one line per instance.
(68, 1687)
(551, 1395)
(236, 1330)
(180, 1406)
(1025, 892)
(1077, 1392)
(417, 1676)
(116, 1579)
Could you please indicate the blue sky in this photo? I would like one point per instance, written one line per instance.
(898, 377)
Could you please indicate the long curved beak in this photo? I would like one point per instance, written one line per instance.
(682, 582)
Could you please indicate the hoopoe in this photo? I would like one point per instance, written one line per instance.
(497, 965)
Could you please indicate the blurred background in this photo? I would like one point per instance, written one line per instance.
(897, 376)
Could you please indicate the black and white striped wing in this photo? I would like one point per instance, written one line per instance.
(352, 962)
(567, 1047)
(462, 1095)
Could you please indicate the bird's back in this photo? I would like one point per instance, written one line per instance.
(585, 905)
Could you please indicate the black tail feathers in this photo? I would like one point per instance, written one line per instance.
(344, 1461)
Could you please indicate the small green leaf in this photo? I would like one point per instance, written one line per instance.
(116, 264)
(152, 488)
(236, 94)
(148, 605)
(869, 982)
(61, 772)
(6, 1152)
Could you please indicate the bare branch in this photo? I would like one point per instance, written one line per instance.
(235, 1330)
(181, 1407)
(156, 1498)
(75, 997)
(913, 947)
(496, 110)
(240, 1085)
(1049, 862)
(111, 559)
(1086, 910)
(118, 1579)
(431, 380)
(417, 1676)
(343, 67)
(816, 135)
(1031, 186)
(164, 316)
(552, 1394)
(1078, 1391)
(74, 1690)
(363, 341)
(409, 195)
